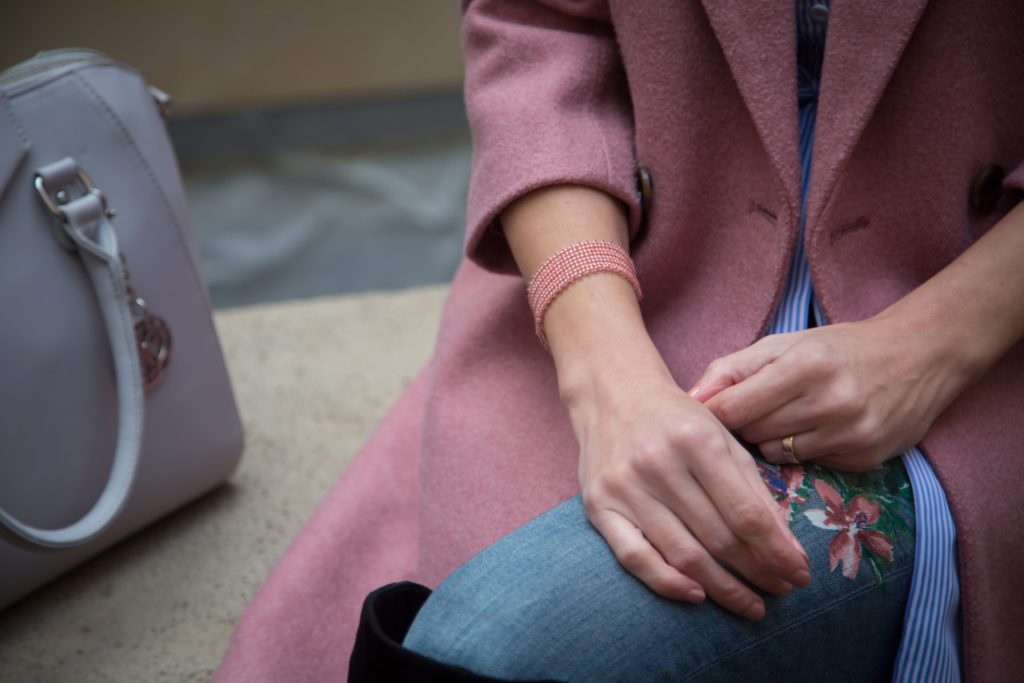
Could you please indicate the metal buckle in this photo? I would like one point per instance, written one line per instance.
(60, 197)
(153, 339)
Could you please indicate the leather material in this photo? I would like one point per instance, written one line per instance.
(87, 226)
(14, 145)
(59, 406)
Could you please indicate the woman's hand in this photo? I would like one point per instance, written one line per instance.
(665, 484)
(671, 490)
(851, 395)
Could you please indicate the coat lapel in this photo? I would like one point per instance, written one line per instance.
(861, 52)
(759, 43)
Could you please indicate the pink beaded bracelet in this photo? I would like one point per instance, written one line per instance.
(571, 264)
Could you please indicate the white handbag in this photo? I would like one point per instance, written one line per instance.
(115, 403)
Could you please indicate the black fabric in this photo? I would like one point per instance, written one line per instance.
(378, 655)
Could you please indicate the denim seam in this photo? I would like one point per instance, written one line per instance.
(795, 624)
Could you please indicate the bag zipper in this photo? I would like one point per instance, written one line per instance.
(47, 65)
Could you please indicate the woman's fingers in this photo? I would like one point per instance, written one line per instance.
(773, 565)
(666, 555)
(636, 554)
(717, 543)
(749, 512)
(668, 530)
(823, 391)
(800, 415)
(663, 483)
(820, 448)
(710, 485)
(774, 450)
(736, 367)
(804, 447)
(774, 386)
(752, 472)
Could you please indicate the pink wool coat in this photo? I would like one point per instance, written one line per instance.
(917, 98)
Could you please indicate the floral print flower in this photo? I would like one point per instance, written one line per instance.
(783, 483)
(851, 522)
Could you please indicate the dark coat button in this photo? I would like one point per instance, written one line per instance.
(819, 14)
(986, 188)
(645, 187)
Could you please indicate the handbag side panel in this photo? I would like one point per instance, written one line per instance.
(57, 394)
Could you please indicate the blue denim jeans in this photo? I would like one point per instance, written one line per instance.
(550, 601)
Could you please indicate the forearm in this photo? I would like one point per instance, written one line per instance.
(971, 312)
(594, 323)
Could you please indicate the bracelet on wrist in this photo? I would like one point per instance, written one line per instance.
(569, 265)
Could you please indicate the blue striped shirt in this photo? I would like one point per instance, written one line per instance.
(929, 649)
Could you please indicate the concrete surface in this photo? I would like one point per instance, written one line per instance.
(312, 378)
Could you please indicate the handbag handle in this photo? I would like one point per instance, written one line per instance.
(84, 226)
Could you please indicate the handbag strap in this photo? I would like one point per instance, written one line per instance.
(83, 225)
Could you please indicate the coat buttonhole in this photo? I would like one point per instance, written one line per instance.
(764, 211)
(858, 224)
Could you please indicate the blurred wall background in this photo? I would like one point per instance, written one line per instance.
(217, 55)
(323, 142)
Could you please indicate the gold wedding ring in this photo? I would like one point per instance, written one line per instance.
(787, 451)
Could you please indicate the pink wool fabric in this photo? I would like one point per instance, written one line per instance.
(917, 97)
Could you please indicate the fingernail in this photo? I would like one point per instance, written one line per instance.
(800, 549)
(696, 596)
(693, 392)
(756, 611)
(802, 578)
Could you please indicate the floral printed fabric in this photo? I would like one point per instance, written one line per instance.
(862, 514)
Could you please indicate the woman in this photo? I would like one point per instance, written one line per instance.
(916, 116)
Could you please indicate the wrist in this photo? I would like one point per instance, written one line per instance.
(938, 337)
(970, 313)
(928, 349)
(598, 337)
(568, 265)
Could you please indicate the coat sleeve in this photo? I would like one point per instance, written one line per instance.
(548, 103)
